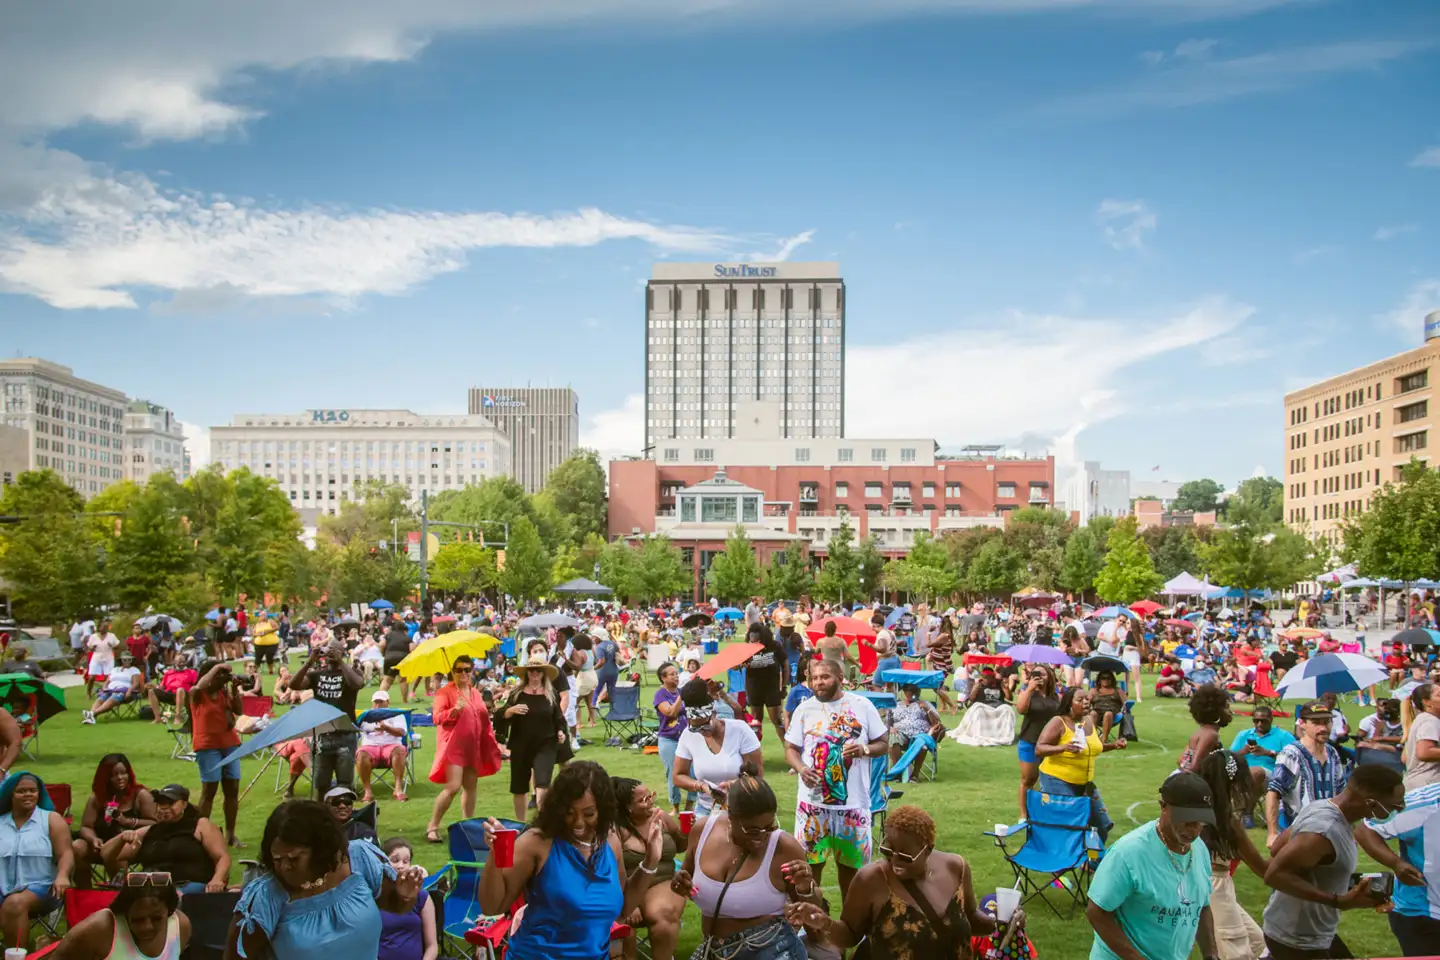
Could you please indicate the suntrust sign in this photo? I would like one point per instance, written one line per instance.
(743, 271)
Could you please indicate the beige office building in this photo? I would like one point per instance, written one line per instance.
(1348, 436)
(320, 457)
(74, 427)
(543, 424)
(155, 441)
(720, 334)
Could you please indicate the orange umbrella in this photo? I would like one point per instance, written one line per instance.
(728, 659)
(847, 628)
(1301, 633)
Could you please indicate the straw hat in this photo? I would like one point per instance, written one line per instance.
(783, 617)
(540, 663)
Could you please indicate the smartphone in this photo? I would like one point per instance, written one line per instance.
(1382, 885)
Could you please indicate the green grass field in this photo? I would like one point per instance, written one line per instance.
(976, 789)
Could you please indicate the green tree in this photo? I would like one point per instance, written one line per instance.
(1037, 535)
(51, 558)
(378, 511)
(1255, 554)
(734, 575)
(1399, 535)
(1128, 574)
(645, 570)
(245, 514)
(839, 579)
(577, 488)
(1083, 561)
(996, 570)
(295, 574)
(1265, 493)
(1202, 496)
(789, 576)
(1175, 550)
(153, 549)
(924, 572)
(464, 568)
(527, 563)
(870, 566)
(964, 545)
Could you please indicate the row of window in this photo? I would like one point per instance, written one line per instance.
(62, 398)
(753, 298)
(244, 447)
(797, 375)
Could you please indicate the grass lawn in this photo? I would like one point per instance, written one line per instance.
(976, 789)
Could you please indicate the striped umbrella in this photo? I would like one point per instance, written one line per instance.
(1330, 673)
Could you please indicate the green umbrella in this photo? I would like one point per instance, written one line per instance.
(49, 699)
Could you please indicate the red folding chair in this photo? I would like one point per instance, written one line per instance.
(1264, 691)
(79, 904)
(29, 725)
(62, 797)
(257, 707)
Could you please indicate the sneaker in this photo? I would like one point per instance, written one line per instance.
(87, 717)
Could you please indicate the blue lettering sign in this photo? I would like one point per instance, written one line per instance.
(329, 416)
(743, 271)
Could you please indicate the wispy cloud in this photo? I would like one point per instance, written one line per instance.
(1314, 253)
(787, 246)
(1125, 224)
(1390, 233)
(1194, 80)
(1429, 157)
(1409, 314)
(1187, 50)
(617, 432)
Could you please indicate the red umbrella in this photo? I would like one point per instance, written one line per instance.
(847, 628)
(1180, 624)
(728, 659)
(1145, 607)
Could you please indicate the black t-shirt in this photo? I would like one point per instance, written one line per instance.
(992, 696)
(764, 667)
(330, 687)
(1284, 659)
(1042, 709)
(397, 645)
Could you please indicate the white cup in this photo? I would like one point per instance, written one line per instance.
(1007, 899)
(15, 953)
(1001, 830)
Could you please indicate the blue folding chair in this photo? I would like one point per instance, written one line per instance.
(902, 768)
(622, 720)
(881, 793)
(1058, 849)
(412, 745)
(461, 911)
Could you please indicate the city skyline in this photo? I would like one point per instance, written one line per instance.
(1118, 234)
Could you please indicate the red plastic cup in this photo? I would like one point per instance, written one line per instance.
(687, 820)
(502, 848)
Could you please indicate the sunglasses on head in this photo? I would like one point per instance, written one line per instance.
(904, 859)
(148, 880)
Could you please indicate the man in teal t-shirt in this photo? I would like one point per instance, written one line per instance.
(1151, 894)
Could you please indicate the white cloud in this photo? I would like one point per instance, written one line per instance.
(180, 69)
(1125, 223)
(616, 433)
(1187, 81)
(1389, 233)
(197, 441)
(90, 240)
(1314, 253)
(1409, 315)
(1429, 157)
(1194, 49)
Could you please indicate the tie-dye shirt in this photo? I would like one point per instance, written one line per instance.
(821, 729)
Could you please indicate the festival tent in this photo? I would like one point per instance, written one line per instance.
(582, 587)
(1185, 585)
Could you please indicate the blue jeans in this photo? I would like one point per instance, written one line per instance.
(1099, 816)
(667, 755)
(605, 681)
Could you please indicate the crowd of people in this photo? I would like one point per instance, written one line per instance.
(602, 851)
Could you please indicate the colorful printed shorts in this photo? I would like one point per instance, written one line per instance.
(826, 831)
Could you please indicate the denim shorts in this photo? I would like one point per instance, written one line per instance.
(212, 770)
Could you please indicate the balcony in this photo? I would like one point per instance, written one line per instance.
(900, 496)
(1039, 496)
(809, 493)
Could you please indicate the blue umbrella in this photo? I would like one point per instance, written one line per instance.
(895, 615)
(729, 613)
(1038, 653)
(213, 615)
(1330, 673)
(1110, 613)
(311, 717)
(1195, 617)
(381, 605)
(1184, 652)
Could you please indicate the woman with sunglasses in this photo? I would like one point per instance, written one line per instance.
(181, 843)
(741, 869)
(712, 750)
(915, 904)
(465, 747)
(319, 895)
(35, 856)
(143, 922)
(534, 728)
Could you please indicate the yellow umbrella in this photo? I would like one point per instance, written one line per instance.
(438, 653)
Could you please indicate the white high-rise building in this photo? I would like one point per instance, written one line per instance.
(75, 427)
(543, 424)
(1093, 492)
(719, 336)
(320, 457)
(154, 441)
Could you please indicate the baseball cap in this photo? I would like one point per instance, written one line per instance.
(336, 792)
(172, 792)
(379, 695)
(1188, 797)
(1316, 710)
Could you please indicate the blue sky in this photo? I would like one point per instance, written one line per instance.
(1112, 229)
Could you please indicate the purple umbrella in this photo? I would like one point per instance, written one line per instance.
(1038, 653)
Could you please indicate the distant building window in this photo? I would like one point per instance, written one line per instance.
(927, 489)
(954, 511)
(842, 489)
(687, 509)
(1005, 491)
(874, 490)
(907, 454)
(1410, 442)
(704, 454)
(952, 489)
(672, 455)
(802, 454)
(1413, 411)
(718, 509)
(1414, 381)
(751, 508)
(878, 454)
(845, 454)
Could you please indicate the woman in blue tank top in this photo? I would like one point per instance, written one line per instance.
(567, 866)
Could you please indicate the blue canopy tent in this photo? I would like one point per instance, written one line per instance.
(729, 613)
(381, 605)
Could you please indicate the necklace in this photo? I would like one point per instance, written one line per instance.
(315, 884)
(1182, 866)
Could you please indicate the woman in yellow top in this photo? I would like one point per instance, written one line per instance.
(1067, 749)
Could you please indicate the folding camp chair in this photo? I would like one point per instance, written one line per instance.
(183, 749)
(61, 798)
(881, 793)
(461, 912)
(26, 710)
(1057, 850)
(927, 769)
(385, 774)
(209, 915)
(78, 905)
(622, 720)
(1264, 693)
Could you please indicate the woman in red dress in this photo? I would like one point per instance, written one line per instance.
(466, 749)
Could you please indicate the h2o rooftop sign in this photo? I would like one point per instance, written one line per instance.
(743, 271)
(329, 416)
